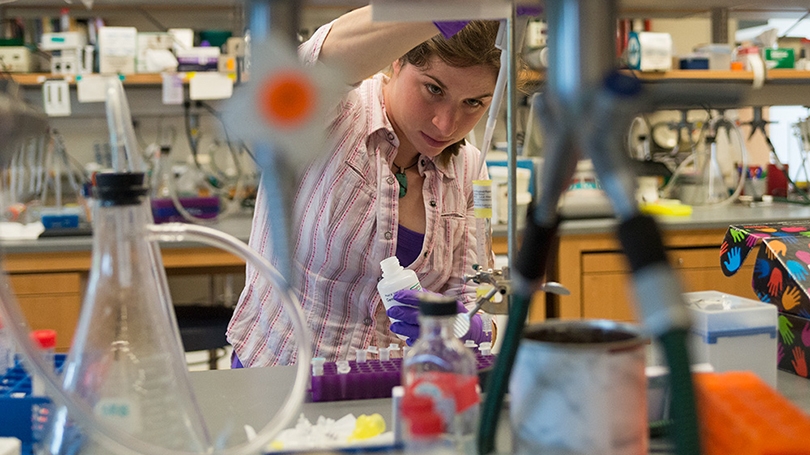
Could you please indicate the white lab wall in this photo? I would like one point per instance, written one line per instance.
(686, 33)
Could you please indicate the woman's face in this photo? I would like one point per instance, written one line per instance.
(433, 107)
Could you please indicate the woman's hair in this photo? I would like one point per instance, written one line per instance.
(474, 45)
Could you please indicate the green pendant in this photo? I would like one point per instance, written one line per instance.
(403, 183)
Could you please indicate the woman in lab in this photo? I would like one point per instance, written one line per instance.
(398, 181)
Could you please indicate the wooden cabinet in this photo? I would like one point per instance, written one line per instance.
(50, 301)
(595, 270)
(50, 285)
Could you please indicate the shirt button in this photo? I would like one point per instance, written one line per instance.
(390, 180)
(390, 136)
(425, 254)
(367, 321)
(388, 235)
(433, 203)
(423, 162)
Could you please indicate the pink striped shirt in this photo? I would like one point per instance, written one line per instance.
(346, 211)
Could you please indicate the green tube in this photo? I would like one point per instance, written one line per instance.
(683, 411)
(499, 379)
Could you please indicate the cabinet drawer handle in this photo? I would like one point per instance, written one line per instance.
(680, 261)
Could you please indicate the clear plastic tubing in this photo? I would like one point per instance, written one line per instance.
(119, 441)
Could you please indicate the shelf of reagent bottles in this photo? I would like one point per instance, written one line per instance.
(372, 379)
(138, 79)
(17, 403)
(780, 87)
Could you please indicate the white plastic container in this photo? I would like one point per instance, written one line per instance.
(733, 333)
(395, 278)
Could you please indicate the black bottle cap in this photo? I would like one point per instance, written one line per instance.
(436, 305)
(120, 188)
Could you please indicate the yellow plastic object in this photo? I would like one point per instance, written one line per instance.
(742, 415)
(666, 208)
(367, 427)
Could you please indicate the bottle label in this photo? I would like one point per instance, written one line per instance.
(482, 198)
(388, 297)
(121, 412)
(452, 394)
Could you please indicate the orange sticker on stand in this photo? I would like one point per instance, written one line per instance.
(287, 99)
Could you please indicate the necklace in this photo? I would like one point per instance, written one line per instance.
(402, 178)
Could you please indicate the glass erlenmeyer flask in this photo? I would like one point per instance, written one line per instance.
(713, 186)
(125, 362)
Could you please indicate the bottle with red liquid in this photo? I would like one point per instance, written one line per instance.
(442, 370)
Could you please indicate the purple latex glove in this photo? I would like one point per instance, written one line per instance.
(408, 315)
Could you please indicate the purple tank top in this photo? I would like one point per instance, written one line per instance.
(409, 245)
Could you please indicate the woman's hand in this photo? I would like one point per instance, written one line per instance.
(408, 315)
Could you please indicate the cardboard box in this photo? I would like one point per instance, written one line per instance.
(781, 277)
(780, 58)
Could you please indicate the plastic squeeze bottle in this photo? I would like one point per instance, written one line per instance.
(395, 278)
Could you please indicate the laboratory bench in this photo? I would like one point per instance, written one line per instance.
(49, 275)
(230, 399)
(590, 263)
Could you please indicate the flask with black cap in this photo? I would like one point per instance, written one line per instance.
(126, 362)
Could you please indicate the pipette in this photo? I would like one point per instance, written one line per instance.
(497, 97)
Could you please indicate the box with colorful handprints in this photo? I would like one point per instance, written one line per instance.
(781, 277)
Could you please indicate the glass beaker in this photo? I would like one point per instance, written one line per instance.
(706, 184)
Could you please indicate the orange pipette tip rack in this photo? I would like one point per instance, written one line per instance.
(287, 99)
(740, 414)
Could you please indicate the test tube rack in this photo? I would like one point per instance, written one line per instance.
(17, 404)
(370, 379)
